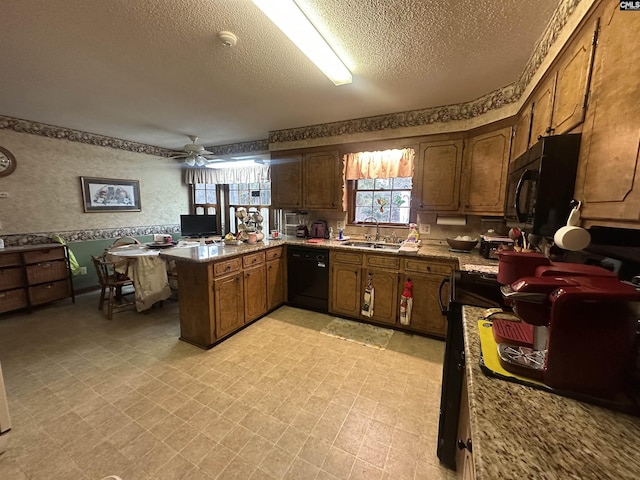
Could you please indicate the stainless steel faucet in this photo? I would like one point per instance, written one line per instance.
(377, 226)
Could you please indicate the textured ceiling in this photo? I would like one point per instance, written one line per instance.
(153, 71)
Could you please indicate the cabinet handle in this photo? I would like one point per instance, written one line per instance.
(421, 205)
(462, 445)
(228, 267)
(465, 445)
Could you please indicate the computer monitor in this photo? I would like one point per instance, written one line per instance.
(198, 225)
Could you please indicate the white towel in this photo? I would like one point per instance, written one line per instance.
(406, 303)
(367, 306)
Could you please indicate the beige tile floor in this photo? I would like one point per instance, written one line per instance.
(90, 397)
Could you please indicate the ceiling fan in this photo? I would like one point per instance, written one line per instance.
(194, 155)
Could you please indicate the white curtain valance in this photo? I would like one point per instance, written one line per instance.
(381, 164)
(253, 174)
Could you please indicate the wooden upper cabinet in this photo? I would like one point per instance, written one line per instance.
(322, 185)
(608, 171)
(437, 176)
(521, 132)
(542, 110)
(286, 181)
(572, 82)
(486, 161)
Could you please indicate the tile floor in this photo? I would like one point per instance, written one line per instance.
(90, 397)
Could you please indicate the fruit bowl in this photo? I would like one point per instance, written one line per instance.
(464, 244)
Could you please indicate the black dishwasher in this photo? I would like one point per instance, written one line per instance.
(308, 278)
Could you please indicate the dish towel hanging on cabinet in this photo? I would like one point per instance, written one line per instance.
(367, 304)
(406, 302)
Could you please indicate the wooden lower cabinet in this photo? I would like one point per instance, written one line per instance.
(276, 269)
(346, 278)
(255, 293)
(426, 276)
(465, 467)
(350, 275)
(229, 304)
(219, 297)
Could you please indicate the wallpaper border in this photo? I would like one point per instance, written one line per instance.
(87, 235)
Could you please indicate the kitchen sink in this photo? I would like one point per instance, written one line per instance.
(389, 247)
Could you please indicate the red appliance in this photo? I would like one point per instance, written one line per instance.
(590, 340)
(514, 265)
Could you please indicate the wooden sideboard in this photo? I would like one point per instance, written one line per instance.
(32, 275)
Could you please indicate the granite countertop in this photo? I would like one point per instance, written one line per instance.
(522, 433)
(213, 252)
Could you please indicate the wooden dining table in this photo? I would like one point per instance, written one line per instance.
(148, 272)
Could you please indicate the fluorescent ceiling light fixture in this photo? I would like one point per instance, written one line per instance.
(295, 25)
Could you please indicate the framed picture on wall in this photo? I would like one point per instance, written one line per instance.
(110, 195)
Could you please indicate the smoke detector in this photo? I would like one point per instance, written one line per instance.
(228, 39)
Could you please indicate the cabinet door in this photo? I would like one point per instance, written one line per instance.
(345, 289)
(485, 172)
(385, 298)
(426, 315)
(437, 178)
(286, 181)
(572, 83)
(275, 283)
(608, 182)
(521, 132)
(542, 109)
(229, 304)
(255, 293)
(322, 186)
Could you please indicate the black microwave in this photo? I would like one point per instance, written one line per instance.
(540, 185)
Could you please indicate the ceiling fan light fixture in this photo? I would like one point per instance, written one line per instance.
(288, 17)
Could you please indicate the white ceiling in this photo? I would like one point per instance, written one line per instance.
(153, 71)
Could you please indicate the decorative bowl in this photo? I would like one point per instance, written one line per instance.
(462, 244)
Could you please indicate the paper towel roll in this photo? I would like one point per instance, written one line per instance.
(451, 220)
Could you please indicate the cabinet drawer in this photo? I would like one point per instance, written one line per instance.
(47, 271)
(274, 253)
(37, 256)
(13, 299)
(343, 257)
(10, 259)
(49, 292)
(253, 259)
(227, 266)
(422, 266)
(11, 278)
(382, 261)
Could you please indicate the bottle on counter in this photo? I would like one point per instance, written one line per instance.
(413, 233)
(330, 233)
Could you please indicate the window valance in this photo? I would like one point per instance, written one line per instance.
(253, 174)
(381, 164)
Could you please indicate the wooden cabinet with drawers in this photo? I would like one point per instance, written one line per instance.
(33, 275)
(219, 297)
(351, 272)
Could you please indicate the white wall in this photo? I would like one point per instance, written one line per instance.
(44, 193)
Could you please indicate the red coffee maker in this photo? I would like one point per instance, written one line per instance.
(585, 329)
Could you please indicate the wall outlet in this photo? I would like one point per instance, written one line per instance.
(83, 270)
(425, 228)
(4, 194)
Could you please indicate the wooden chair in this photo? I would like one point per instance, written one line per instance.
(113, 276)
(127, 240)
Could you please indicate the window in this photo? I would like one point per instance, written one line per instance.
(252, 196)
(388, 200)
(205, 199)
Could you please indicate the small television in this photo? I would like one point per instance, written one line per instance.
(198, 225)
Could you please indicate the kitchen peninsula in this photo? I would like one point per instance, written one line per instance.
(222, 288)
(519, 432)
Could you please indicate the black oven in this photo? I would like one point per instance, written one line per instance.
(465, 288)
(540, 185)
